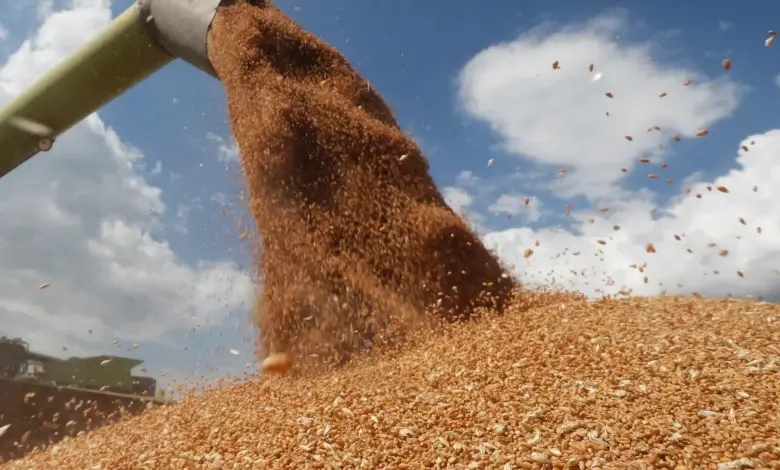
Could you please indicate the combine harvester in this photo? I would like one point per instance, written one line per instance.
(44, 398)
(81, 392)
(97, 373)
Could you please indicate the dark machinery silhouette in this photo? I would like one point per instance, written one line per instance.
(103, 373)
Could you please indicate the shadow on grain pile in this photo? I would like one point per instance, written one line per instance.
(357, 240)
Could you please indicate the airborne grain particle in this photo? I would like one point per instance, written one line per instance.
(278, 363)
(650, 248)
(702, 133)
(726, 64)
(722, 189)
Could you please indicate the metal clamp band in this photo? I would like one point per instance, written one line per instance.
(181, 28)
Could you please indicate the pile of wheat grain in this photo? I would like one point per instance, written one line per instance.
(645, 383)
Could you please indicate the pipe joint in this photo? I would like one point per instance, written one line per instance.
(181, 28)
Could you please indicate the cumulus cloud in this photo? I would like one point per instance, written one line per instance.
(563, 117)
(227, 151)
(461, 201)
(84, 220)
(457, 198)
(517, 204)
(722, 237)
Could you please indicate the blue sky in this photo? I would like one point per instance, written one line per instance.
(465, 107)
(412, 53)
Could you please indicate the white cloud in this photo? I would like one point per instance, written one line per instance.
(83, 219)
(467, 179)
(458, 199)
(559, 117)
(461, 202)
(219, 198)
(724, 25)
(705, 225)
(45, 9)
(515, 204)
(227, 152)
(777, 80)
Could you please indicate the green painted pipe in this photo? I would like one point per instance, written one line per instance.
(140, 41)
(122, 55)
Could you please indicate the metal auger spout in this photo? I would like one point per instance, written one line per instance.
(140, 41)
